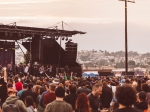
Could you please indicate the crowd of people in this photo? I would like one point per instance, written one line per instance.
(24, 70)
(30, 93)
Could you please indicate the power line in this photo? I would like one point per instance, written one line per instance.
(74, 9)
(69, 26)
(55, 25)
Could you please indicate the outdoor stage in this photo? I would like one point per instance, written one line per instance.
(41, 43)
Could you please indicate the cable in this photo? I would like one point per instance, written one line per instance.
(74, 11)
(69, 25)
(75, 8)
(53, 26)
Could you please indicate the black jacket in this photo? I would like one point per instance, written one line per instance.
(28, 93)
(83, 90)
(141, 105)
(95, 102)
(71, 99)
(128, 109)
(106, 97)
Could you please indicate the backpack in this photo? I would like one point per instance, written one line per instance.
(30, 109)
(10, 108)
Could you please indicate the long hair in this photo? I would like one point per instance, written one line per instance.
(29, 101)
(82, 103)
(37, 89)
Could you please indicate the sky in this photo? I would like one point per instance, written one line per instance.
(103, 20)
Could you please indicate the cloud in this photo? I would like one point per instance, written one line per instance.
(105, 36)
(23, 1)
(46, 20)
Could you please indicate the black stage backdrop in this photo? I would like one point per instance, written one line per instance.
(51, 52)
(45, 51)
(7, 57)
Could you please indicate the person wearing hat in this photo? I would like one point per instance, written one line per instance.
(59, 105)
(13, 99)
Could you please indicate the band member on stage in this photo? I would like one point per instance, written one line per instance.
(41, 71)
(21, 70)
(50, 71)
(9, 70)
(26, 70)
(36, 70)
(66, 70)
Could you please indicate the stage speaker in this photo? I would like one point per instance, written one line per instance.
(70, 52)
(37, 49)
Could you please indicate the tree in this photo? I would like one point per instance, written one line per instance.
(27, 57)
(148, 63)
(120, 65)
(107, 53)
(131, 62)
(132, 53)
(112, 60)
(102, 62)
(84, 57)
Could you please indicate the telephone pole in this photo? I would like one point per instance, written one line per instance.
(126, 38)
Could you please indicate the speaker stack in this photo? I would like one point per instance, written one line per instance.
(70, 52)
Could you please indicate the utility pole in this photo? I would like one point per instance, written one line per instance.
(126, 38)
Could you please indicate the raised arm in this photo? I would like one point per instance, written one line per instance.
(5, 74)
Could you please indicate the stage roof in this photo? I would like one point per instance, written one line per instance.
(13, 32)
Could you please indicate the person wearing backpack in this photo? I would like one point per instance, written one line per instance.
(12, 103)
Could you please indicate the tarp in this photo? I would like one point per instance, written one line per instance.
(90, 73)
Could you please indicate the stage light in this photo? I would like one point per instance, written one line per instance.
(29, 40)
(57, 38)
(63, 38)
(66, 38)
(70, 40)
(44, 37)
